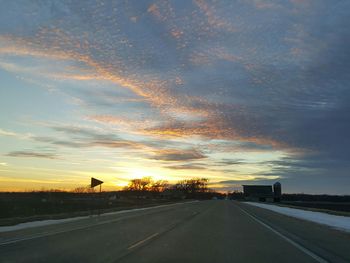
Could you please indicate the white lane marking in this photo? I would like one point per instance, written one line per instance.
(143, 241)
(156, 234)
(12, 241)
(303, 249)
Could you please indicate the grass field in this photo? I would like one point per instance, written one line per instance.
(344, 207)
(23, 207)
(336, 208)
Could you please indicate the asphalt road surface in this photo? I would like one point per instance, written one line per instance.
(206, 231)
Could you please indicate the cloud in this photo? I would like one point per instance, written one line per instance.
(226, 162)
(257, 79)
(263, 4)
(130, 124)
(82, 137)
(7, 133)
(29, 154)
(186, 167)
(213, 18)
(15, 134)
(177, 155)
(258, 181)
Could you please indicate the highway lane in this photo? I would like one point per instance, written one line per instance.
(81, 223)
(331, 244)
(208, 231)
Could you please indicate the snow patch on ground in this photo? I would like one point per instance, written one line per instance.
(39, 223)
(338, 222)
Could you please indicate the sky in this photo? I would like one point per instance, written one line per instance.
(240, 92)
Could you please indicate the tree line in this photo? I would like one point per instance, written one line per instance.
(189, 188)
(148, 184)
(146, 187)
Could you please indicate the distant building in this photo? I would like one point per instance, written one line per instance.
(277, 191)
(262, 193)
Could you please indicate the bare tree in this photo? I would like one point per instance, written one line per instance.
(159, 186)
(142, 184)
(83, 189)
(192, 186)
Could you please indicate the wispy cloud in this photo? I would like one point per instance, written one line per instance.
(214, 18)
(178, 155)
(7, 133)
(82, 137)
(15, 134)
(187, 167)
(29, 154)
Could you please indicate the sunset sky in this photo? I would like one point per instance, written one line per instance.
(245, 91)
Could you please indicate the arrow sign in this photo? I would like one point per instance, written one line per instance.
(95, 182)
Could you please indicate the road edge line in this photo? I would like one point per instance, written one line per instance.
(292, 242)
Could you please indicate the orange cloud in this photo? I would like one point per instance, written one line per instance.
(213, 128)
(154, 10)
(198, 116)
(214, 19)
(123, 122)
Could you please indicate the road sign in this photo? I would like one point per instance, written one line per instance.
(95, 182)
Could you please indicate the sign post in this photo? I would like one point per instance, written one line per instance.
(96, 182)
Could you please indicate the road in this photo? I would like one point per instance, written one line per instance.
(206, 231)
